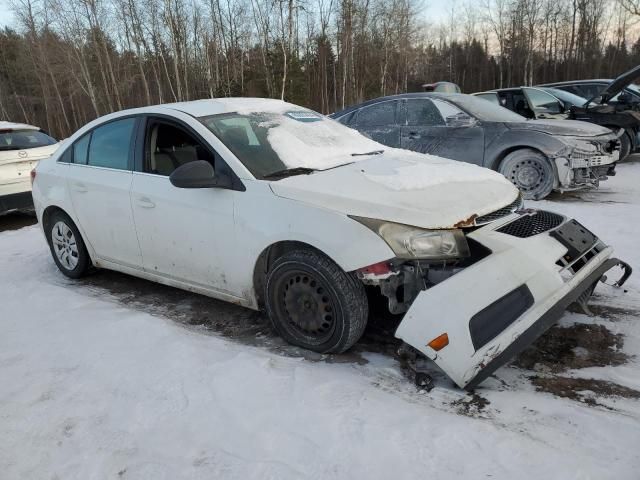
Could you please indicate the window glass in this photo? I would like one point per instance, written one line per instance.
(66, 156)
(276, 141)
(24, 139)
(170, 146)
(111, 144)
(81, 150)
(540, 100)
(422, 112)
(448, 111)
(492, 97)
(380, 114)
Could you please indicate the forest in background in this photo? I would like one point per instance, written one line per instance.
(66, 62)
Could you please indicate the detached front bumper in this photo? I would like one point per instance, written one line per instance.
(495, 308)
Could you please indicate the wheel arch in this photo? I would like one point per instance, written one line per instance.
(48, 212)
(266, 258)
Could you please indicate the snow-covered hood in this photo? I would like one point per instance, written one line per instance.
(27, 154)
(572, 128)
(404, 187)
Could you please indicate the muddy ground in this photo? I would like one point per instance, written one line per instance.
(546, 363)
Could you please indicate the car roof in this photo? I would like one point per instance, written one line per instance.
(214, 106)
(572, 82)
(400, 96)
(16, 126)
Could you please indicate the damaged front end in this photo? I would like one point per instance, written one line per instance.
(488, 292)
(584, 163)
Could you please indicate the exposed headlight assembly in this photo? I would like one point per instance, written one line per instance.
(418, 243)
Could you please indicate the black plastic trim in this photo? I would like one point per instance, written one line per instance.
(16, 201)
(489, 322)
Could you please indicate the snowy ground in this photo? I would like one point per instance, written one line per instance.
(113, 377)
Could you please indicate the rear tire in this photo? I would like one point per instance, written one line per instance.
(530, 171)
(314, 304)
(67, 248)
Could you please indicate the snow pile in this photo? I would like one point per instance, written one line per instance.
(91, 388)
(424, 171)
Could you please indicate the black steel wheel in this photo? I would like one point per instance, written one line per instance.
(314, 304)
(530, 171)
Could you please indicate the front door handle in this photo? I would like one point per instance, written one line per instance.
(145, 202)
(80, 187)
(413, 135)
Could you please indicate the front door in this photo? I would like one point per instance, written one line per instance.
(439, 128)
(99, 181)
(185, 234)
(544, 105)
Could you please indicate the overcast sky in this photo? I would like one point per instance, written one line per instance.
(435, 11)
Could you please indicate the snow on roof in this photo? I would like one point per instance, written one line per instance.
(16, 126)
(214, 106)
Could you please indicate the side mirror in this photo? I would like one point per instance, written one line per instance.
(198, 174)
(460, 120)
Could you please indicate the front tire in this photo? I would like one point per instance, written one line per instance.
(530, 171)
(67, 248)
(314, 304)
(625, 146)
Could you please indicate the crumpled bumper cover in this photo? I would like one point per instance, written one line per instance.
(497, 307)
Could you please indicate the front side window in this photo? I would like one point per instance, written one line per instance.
(169, 146)
(542, 101)
(378, 115)
(268, 142)
(422, 112)
(110, 145)
(24, 139)
(491, 97)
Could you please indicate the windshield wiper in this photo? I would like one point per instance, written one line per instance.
(375, 152)
(288, 172)
(7, 148)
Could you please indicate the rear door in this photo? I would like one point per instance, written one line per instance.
(440, 128)
(99, 180)
(379, 122)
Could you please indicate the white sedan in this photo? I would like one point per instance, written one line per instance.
(21, 147)
(270, 205)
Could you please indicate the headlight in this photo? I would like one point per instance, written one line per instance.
(412, 242)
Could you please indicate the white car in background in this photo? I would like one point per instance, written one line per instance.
(270, 205)
(21, 147)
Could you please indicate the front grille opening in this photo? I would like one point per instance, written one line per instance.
(532, 224)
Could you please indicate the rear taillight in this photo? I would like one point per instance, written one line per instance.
(33, 176)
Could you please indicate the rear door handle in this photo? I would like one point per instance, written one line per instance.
(144, 202)
(80, 187)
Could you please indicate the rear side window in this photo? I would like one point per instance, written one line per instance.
(81, 149)
(110, 144)
(378, 115)
(423, 112)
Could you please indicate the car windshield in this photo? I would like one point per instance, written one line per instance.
(486, 110)
(566, 97)
(24, 139)
(271, 142)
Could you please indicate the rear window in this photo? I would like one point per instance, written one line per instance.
(24, 139)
